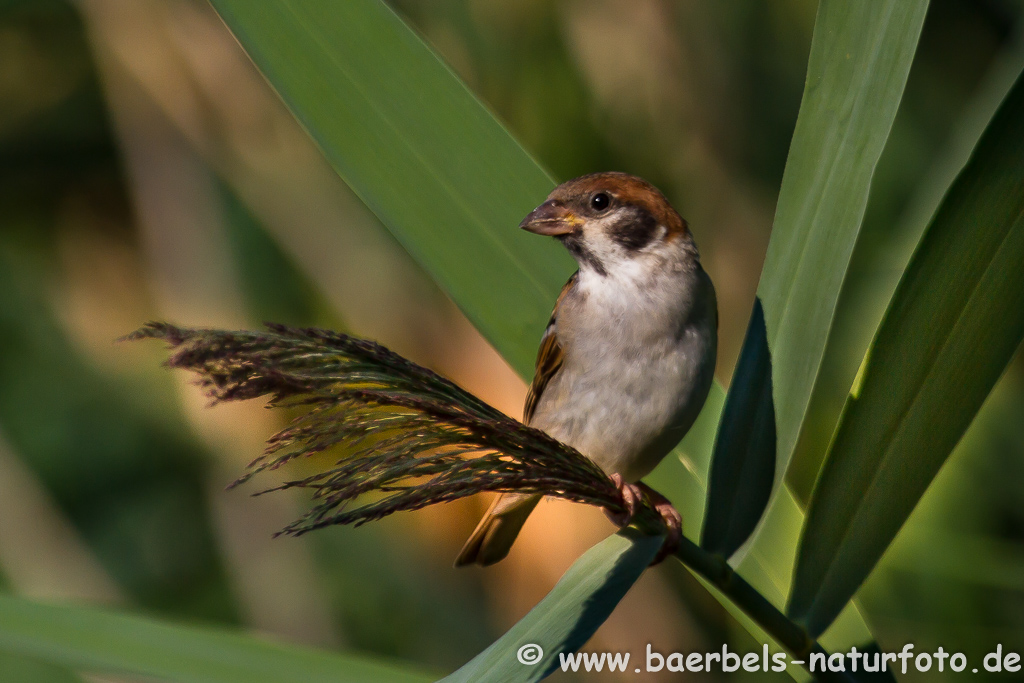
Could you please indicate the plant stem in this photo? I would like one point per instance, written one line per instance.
(787, 633)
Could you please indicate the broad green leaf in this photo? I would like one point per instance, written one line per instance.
(954, 322)
(92, 639)
(567, 616)
(865, 294)
(420, 150)
(860, 58)
(743, 464)
(859, 62)
(15, 668)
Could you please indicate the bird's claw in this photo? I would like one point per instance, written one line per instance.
(673, 524)
(632, 497)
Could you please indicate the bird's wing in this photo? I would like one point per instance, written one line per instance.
(549, 356)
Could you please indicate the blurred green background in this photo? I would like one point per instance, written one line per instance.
(148, 171)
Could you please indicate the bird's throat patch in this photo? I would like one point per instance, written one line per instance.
(584, 256)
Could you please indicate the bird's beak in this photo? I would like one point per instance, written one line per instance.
(551, 218)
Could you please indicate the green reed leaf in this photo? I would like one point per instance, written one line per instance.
(954, 322)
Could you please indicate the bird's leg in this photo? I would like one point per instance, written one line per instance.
(672, 519)
(631, 499)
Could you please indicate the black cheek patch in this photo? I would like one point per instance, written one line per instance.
(634, 230)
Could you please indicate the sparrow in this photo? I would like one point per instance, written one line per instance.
(628, 356)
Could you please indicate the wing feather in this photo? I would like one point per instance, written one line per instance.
(549, 357)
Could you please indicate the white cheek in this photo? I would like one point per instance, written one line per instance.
(604, 247)
(622, 266)
(606, 251)
(624, 278)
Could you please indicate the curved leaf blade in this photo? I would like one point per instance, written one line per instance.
(864, 297)
(420, 150)
(743, 464)
(567, 616)
(954, 323)
(859, 62)
(92, 639)
(17, 668)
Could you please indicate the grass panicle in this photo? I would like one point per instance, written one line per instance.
(407, 437)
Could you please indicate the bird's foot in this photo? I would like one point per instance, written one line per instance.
(632, 497)
(671, 518)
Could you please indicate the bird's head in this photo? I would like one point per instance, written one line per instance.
(613, 223)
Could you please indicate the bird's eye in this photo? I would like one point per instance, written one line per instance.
(600, 201)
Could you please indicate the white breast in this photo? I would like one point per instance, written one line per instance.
(639, 362)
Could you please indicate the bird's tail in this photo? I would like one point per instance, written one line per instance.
(497, 531)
